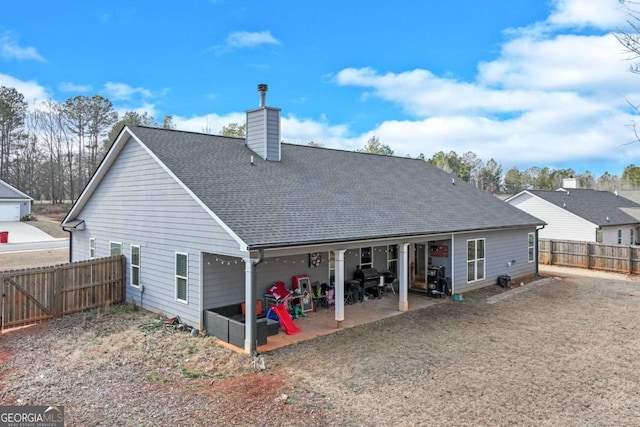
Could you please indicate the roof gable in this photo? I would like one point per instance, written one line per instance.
(9, 192)
(602, 208)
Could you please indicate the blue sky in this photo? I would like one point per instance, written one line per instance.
(528, 83)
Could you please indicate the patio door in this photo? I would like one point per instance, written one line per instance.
(419, 267)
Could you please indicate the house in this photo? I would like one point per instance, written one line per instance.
(206, 221)
(582, 214)
(14, 204)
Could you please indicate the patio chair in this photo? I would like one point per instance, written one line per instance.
(319, 295)
(392, 285)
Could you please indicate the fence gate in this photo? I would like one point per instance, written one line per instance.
(42, 293)
(26, 299)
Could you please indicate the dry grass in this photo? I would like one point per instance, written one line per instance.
(561, 353)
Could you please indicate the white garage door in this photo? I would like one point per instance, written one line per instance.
(9, 211)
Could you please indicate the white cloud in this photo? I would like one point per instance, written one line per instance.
(552, 97)
(246, 39)
(210, 123)
(303, 131)
(242, 39)
(31, 90)
(9, 49)
(122, 91)
(72, 87)
(603, 14)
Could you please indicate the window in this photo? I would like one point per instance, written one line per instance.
(92, 248)
(134, 277)
(599, 236)
(115, 248)
(392, 259)
(475, 260)
(631, 237)
(366, 258)
(532, 247)
(182, 261)
(619, 237)
(332, 268)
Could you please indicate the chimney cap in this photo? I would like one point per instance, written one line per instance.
(263, 88)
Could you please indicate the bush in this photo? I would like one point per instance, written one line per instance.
(28, 217)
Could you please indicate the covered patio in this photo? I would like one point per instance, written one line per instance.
(323, 322)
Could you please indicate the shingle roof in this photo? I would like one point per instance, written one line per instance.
(316, 195)
(9, 192)
(602, 208)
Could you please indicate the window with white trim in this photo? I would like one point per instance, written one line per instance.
(134, 275)
(475, 259)
(599, 236)
(182, 279)
(92, 248)
(532, 247)
(631, 236)
(366, 257)
(619, 237)
(392, 259)
(332, 267)
(115, 248)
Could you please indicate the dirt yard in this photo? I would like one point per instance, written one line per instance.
(563, 352)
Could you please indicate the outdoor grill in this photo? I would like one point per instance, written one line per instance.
(368, 278)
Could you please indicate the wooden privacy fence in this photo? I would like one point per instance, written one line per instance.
(596, 256)
(42, 293)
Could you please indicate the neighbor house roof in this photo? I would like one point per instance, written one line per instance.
(319, 195)
(7, 192)
(602, 208)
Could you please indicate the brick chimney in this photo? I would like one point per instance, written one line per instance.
(263, 128)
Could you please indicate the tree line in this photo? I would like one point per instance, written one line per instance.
(51, 149)
(489, 176)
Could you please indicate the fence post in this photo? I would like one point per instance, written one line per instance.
(630, 249)
(58, 284)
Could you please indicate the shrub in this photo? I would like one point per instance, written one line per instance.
(28, 217)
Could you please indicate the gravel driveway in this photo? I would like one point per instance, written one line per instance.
(565, 352)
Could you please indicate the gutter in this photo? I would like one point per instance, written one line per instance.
(537, 249)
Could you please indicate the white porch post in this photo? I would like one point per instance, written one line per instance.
(250, 291)
(339, 287)
(403, 272)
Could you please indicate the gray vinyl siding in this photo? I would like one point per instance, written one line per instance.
(501, 247)
(610, 234)
(224, 276)
(223, 279)
(561, 224)
(263, 132)
(256, 132)
(25, 208)
(273, 134)
(139, 203)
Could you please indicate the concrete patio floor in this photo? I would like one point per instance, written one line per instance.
(323, 322)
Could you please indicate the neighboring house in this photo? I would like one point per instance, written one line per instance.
(14, 204)
(206, 221)
(582, 215)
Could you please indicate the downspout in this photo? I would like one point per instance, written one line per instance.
(70, 243)
(251, 324)
(537, 249)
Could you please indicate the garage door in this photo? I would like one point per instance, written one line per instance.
(9, 211)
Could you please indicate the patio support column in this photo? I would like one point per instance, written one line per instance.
(250, 292)
(339, 287)
(403, 272)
